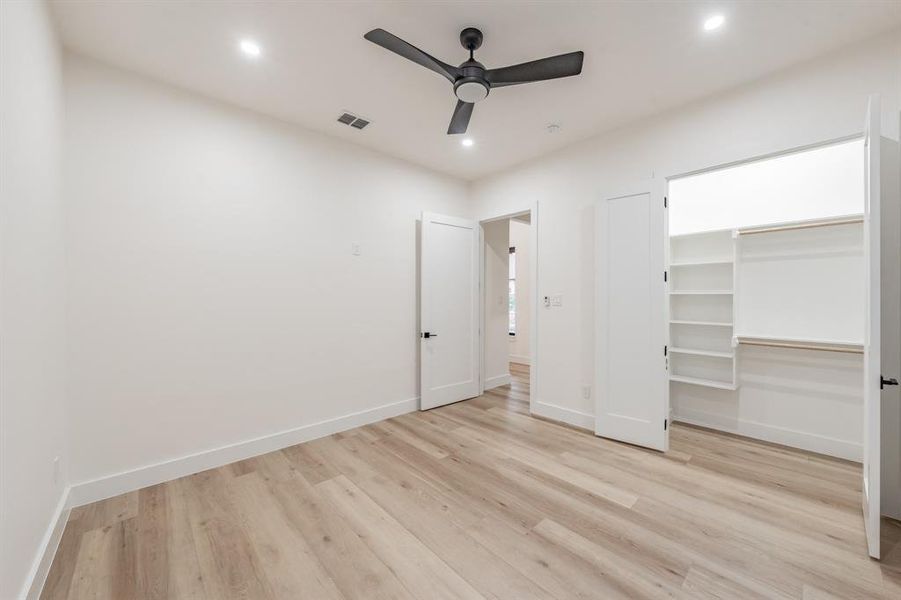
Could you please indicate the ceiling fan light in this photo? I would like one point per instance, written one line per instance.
(471, 90)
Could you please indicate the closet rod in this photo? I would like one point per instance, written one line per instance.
(824, 348)
(800, 226)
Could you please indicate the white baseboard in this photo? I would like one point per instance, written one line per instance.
(40, 568)
(564, 415)
(135, 479)
(520, 359)
(497, 381)
(770, 433)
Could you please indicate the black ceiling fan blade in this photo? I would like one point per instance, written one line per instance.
(393, 43)
(460, 120)
(554, 67)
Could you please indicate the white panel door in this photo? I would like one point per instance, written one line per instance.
(632, 391)
(872, 368)
(449, 310)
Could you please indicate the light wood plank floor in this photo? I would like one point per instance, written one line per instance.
(480, 500)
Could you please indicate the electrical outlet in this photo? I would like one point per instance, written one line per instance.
(56, 470)
(355, 249)
(586, 391)
(547, 301)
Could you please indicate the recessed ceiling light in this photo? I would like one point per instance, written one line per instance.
(467, 142)
(251, 48)
(714, 22)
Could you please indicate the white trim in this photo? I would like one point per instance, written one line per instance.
(534, 257)
(812, 442)
(519, 359)
(127, 481)
(497, 381)
(564, 415)
(40, 568)
(483, 300)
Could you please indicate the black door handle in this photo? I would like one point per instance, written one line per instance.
(428, 335)
(884, 382)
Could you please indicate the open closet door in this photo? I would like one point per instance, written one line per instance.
(872, 405)
(449, 310)
(632, 388)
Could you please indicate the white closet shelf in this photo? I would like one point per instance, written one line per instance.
(701, 262)
(720, 385)
(704, 323)
(701, 292)
(698, 352)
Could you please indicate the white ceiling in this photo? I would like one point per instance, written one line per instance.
(640, 58)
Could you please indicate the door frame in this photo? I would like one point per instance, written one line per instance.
(859, 135)
(530, 209)
(666, 179)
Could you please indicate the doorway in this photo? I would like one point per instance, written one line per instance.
(508, 284)
(774, 301)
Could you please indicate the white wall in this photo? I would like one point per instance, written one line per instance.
(213, 294)
(497, 255)
(818, 101)
(520, 236)
(817, 183)
(32, 293)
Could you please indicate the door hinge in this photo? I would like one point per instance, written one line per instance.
(664, 351)
(664, 276)
(665, 205)
(665, 424)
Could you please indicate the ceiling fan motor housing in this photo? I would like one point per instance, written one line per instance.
(472, 86)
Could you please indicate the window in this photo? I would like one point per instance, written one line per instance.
(511, 301)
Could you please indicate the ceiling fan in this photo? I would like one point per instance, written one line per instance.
(472, 81)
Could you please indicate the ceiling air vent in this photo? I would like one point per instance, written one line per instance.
(353, 120)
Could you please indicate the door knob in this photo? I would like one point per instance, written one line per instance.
(428, 335)
(884, 382)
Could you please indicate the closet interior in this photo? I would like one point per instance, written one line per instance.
(766, 314)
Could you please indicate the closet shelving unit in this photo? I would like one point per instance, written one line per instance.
(701, 291)
(801, 262)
